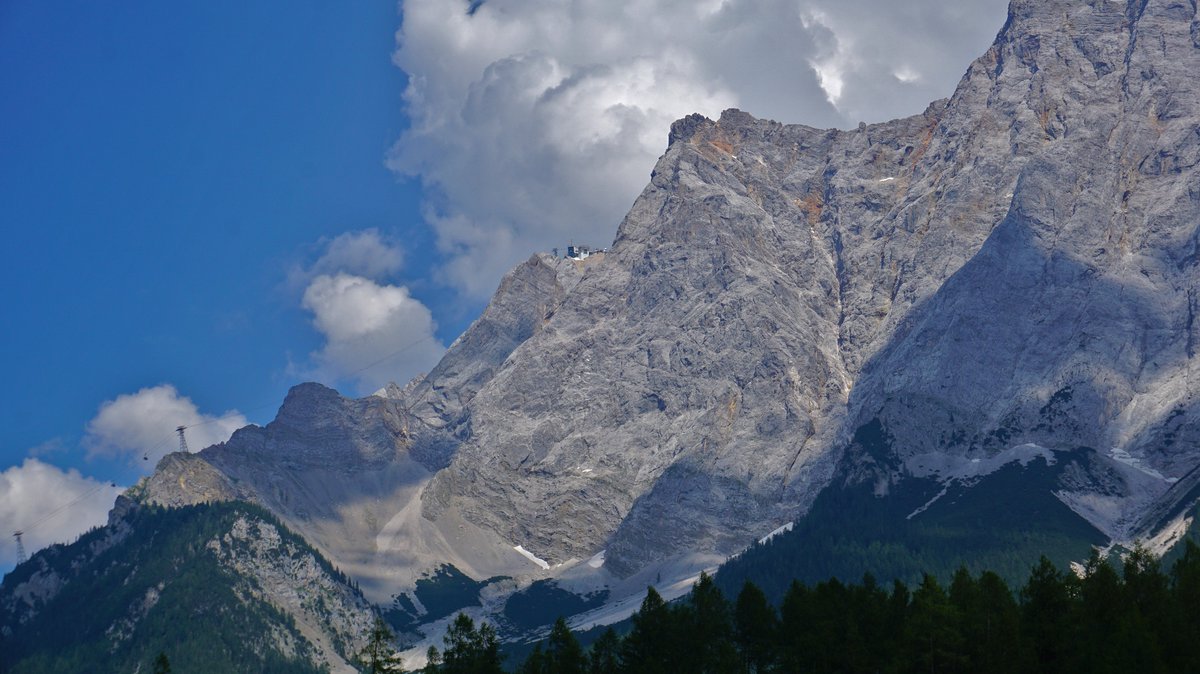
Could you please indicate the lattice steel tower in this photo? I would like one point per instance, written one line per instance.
(182, 440)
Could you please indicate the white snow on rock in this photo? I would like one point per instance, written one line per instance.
(532, 557)
(928, 503)
(623, 608)
(945, 467)
(597, 560)
(783, 529)
(1128, 459)
(1171, 534)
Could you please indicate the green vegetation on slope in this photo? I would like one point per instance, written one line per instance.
(1137, 619)
(158, 590)
(1003, 521)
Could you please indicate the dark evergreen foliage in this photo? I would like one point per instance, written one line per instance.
(850, 532)
(378, 656)
(1132, 619)
(468, 649)
(198, 615)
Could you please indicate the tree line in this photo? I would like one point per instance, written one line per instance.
(1109, 616)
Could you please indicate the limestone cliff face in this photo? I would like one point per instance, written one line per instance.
(1015, 266)
(231, 570)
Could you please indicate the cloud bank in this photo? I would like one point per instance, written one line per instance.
(50, 504)
(142, 424)
(367, 253)
(536, 122)
(375, 332)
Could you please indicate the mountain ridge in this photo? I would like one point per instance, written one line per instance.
(787, 311)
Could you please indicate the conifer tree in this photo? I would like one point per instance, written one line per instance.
(469, 650)
(646, 649)
(433, 661)
(535, 663)
(935, 642)
(605, 656)
(564, 655)
(378, 657)
(706, 643)
(1045, 617)
(755, 627)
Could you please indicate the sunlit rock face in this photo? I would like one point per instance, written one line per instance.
(1016, 265)
(1014, 268)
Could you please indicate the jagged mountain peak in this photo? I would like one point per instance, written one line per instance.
(1006, 280)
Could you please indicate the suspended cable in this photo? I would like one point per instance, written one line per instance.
(64, 506)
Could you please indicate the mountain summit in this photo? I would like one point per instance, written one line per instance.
(995, 297)
(1015, 266)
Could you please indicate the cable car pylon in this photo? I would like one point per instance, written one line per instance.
(20, 547)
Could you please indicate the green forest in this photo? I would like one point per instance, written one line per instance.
(201, 616)
(1127, 616)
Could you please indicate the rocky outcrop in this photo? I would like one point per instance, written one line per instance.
(1015, 265)
(328, 613)
(250, 592)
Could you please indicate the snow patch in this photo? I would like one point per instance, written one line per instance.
(945, 467)
(627, 606)
(1171, 534)
(930, 502)
(1128, 459)
(1115, 512)
(781, 530)
(597, 559)
(887, 179)
(948, 469)
(532, 557)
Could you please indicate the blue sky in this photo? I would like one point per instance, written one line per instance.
(155, 190)
(206, 202)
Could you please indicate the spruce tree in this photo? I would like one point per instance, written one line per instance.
(535, 663)
(605, 656)
(707, 638)
(469, 650)
(1045, 618)
(935, 643)
(564, 655)
(378, 657)
(646, 649)
(755, 627)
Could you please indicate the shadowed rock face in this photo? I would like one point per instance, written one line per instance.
(1015, 265)
(775, 287)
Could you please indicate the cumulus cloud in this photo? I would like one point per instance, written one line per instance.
(537, 121)
(367, 253)
(374, 333)
(51, 506)
(142, 424)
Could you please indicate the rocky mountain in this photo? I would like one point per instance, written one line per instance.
(978, 318)
(1014, 267)
(215, 587)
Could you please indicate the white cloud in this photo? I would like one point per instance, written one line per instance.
(373, 333)
(367, 253)
(537, 121)
(142, 424)
(51, 506)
